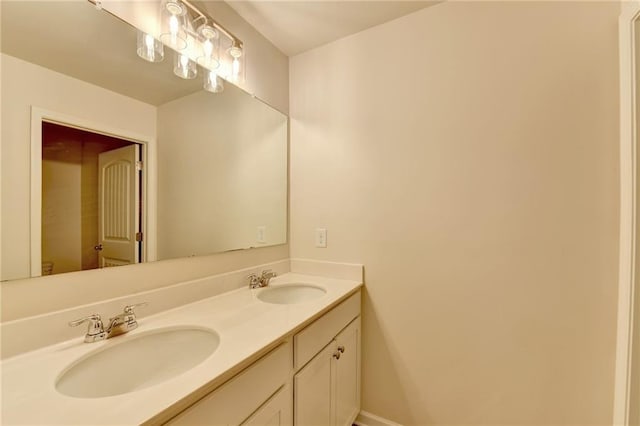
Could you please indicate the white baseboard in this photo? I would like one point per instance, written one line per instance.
(367, 419)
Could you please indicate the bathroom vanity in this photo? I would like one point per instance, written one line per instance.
(324, 361)
(285, 354)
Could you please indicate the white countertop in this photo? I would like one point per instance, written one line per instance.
(244, 324)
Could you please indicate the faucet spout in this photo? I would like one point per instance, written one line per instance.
(120, 324)
(124, 322)
(266, 277)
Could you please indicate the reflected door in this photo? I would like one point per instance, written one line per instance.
(118, 206)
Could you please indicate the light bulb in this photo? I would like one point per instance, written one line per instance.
(207, 46)
(174, 26)
(148, 43)
(236, 67)
(184, 62)
(184, 67)
(212, 83)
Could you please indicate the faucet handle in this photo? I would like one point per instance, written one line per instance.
(254, 280)
(94, 318)
(95, 331)
(129, 308)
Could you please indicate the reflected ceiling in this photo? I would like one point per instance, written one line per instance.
(79, 32)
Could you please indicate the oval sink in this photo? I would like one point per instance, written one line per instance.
(288, 294)
(137, 363)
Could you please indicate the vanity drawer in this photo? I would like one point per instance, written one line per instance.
(237, 399)
(316, 336)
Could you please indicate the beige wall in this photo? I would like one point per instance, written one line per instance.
(236, 150)
(89, 189)
(23, 84)
(61, 205)
(467, 155)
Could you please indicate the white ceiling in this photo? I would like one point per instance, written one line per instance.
(297, 26)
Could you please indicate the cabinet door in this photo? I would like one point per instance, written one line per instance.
(277, 411)
(313, 390)
(347, 376)
(235, 400)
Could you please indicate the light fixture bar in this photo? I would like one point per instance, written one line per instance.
(201, 15)
(214, 23)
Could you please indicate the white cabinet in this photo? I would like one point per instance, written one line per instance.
(327, 389)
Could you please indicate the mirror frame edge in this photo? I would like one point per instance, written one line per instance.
(630, 13)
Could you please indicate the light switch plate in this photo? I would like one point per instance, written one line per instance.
(321, 237)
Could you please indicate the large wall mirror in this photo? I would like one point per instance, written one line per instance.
(108, 159)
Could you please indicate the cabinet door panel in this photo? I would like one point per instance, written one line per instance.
(347, 388)
(235, 400)
(277, 411)
(312, 391)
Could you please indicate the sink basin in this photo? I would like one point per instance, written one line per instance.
(137, 363)
(287, 294)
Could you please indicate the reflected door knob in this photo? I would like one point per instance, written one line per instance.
(98, 247)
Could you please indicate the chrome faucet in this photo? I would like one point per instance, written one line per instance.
(120, 324)
(262, 280)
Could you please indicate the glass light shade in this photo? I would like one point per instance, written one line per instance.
(213, 83)
(173, 25)
(236, 57)
(148, 48)
(184, 67)
(209, 44)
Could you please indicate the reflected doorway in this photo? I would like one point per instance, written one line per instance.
(91, 200)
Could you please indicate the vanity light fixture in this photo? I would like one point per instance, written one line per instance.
(201, 47)
(184, 67)
(149, 48)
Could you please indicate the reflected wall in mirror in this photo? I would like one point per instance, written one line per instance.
(222, 160)
(217, 163)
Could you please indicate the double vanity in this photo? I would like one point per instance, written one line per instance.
(287, 353)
